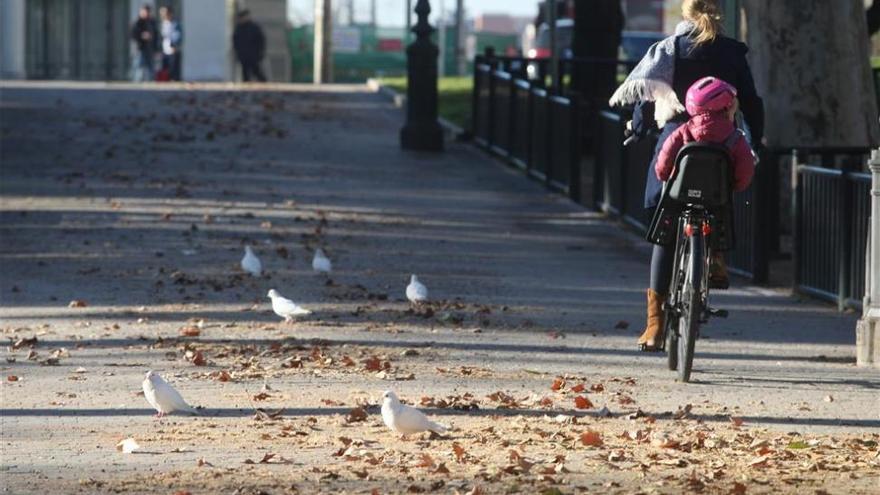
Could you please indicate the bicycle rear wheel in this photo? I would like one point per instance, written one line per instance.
(689, 321)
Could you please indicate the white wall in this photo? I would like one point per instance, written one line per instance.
(207, 40)
(12, 39)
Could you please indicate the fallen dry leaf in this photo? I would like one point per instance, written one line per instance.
(738, 489)
(355, 415)
(266, 415)
(582, 402)
(196, 358)
(12, 378)
(425, 461)
(592, 438)
(220, 376)
(376, 364)
(190, 331)
(458, 451)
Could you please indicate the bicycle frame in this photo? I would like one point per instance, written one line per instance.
(694, 221)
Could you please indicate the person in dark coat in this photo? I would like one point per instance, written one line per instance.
(145, 35)
(250, 47)
(657, 86)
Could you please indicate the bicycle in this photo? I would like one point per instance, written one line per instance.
(695, 200)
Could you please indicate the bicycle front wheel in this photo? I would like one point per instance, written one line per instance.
(689, 322)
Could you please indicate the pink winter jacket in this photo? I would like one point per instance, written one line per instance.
(713, 128)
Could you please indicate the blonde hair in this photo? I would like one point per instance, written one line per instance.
(707, 16)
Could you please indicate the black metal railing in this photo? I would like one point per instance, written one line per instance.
(540, 125)
(831, 232)
(526, 124)
(537, 70)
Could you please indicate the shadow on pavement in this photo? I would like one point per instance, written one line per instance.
(330, 411)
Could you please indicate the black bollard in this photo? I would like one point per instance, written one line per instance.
(422, 132)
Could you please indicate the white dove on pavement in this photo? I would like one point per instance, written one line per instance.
(250, 263)
(321, 263)
(416, 292)
(163, 397)
(405, 419)
(284, 307)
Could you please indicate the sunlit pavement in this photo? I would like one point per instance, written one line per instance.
(137, 200)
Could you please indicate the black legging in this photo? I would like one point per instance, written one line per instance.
(661, 268)
(250, 69)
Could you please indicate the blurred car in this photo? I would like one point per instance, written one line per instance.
(542, 49)
(633, 45)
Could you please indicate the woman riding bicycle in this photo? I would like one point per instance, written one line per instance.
(657, 86)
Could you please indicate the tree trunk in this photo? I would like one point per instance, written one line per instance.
(873, 15)
(811, 65)
(322, 68)
(597, 31)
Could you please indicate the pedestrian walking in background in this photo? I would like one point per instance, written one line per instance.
(658, 86)
(249, 43)
(145, 35)
(172, 42)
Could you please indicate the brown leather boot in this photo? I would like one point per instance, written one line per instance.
(647, 342)
(718, 276)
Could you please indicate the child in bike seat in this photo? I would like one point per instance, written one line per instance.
(712, 106)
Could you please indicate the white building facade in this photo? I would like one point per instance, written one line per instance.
(60, 39)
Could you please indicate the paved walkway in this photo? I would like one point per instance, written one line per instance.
(138, 202)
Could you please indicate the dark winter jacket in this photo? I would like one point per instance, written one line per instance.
(724, 58)
(145, 25)
(249, 42)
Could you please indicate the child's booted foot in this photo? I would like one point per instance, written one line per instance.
(718, 276)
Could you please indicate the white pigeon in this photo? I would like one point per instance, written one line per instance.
(163, 397)
(250, 263)
(416, 292)
(284, 307)
(405, 419)
(321, 263)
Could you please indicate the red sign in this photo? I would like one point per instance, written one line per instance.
(390, 45)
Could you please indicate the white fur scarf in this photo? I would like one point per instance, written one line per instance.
(651, 79)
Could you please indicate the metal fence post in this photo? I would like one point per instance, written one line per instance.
(490, 132)
(598, 166)
(548, 138)
(844, 219)
(868, 328)
(511, 115)
(761, 197)
(574, 174)
(475, 95)
(795, 218)
(624, 166)
(530, 112)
